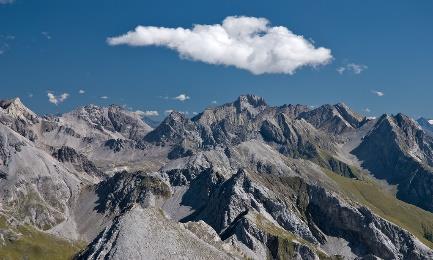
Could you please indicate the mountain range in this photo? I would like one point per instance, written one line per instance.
(243, 180)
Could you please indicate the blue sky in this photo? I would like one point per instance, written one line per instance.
(57, 47)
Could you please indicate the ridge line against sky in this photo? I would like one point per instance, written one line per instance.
(287, 52)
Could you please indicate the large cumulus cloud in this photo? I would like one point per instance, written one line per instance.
(248, 43)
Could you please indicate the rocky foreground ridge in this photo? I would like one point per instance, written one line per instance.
(242, 180)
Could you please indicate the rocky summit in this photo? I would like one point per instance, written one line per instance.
(244, 180)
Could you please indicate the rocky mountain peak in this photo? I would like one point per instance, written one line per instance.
(89, 113)
(112, 118)
(251, 103)
(173, 128)
(426, 125)
(175, 118)
(336, 118)
(405, 121)
(407, 131)
(349, 115)
(15, 108)
(271, 182)
(403, 126)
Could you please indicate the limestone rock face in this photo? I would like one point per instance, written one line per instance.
(243, 180)
(35, 188)
(397, 150)
(426, 125)
(148, 234)
(334, 118)
(16, 109)
(79, 162)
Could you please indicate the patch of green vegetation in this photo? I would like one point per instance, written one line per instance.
(368, 192)
(30, 243)
(287, 241)
(331, 163)
(156, 185)
(428, 232)
(32, 202)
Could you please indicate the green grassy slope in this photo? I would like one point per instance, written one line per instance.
(25, 242)
(367, 192)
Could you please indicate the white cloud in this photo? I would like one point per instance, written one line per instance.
(169, 111)
(81, 91)
(194, 113)
(341, 70)
(214, 102)
(356, 68)
(104, 97)
(248, 43)
(63, 97)
(6, 1)
(57, 99)
(378, 93)
(182, 97)
(352, 67)
(368, 110)
(45, 34)
(30, 95)
(5, 41)
(371, 117)
(147, 113)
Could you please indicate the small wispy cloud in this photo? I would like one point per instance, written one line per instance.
(368, 110)
(81, 91)
(30, 95)
(5, 41)
(341, 70)
(103, 97)
(169, 111)
(194, 113)
(378, 93)
(147, 113)
(352, 67)
(357, 68)
(57, 99)
(46, 35)
(3, 2)
(182, 97)
(214, 102)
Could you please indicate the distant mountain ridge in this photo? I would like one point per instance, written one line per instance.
(240, 180)
(426, 124)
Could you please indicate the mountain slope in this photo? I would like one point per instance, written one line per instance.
(398, 151)
(242, 180)
(426, 124)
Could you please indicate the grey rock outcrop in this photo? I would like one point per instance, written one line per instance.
(426, 125)
(147, 234)
(79, 162)
(334, 119)
(397, 150)
(241, 180)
